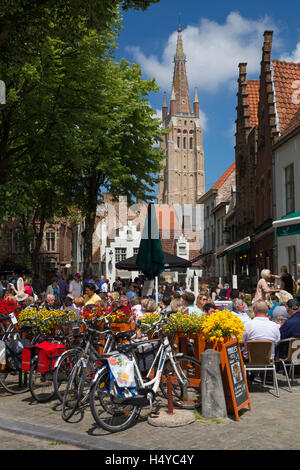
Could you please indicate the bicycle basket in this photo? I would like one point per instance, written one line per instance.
(145, 354)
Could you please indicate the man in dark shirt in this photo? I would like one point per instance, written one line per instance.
(291, 327)
(287, 282)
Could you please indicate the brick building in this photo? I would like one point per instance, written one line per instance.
(265, 108)
(275, 111)
(216, 195)
(56, 250)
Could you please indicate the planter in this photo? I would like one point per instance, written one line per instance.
(198, 343)
(116, 327)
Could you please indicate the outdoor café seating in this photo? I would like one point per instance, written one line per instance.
(291, 359)
(259, 359)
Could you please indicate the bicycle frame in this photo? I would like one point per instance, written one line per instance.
(164, 352)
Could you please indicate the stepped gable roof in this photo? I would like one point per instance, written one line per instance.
(253, 99)
(285, 77)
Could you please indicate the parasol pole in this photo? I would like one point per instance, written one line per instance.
(156, 289)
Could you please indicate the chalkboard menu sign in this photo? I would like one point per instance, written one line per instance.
(234, 378)
(237, 376)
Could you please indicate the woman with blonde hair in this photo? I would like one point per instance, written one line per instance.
(202, 299)
(177, 305)
(148, 306)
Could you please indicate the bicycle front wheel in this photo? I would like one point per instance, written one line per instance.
(107, 410)
(15, 381)
(41, 384)
(63, 371)
(186, 388)
(78, 387)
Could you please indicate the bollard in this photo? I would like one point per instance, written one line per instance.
(212, 392)
(170, 395)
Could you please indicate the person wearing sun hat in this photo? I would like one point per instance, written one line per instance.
(21, 298)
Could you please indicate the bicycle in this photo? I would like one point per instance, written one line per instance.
(79, 381)
(114, 413)
(67, 360)
(13, 380)
(41, 384)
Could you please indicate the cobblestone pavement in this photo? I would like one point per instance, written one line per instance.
(13, 441)
(273, 423)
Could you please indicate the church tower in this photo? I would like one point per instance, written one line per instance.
(183, 178)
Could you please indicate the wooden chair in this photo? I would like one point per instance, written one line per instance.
(292, 358)
(259, 359)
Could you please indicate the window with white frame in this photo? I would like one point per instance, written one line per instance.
(289, 189)
(135, 251)
(120, 254)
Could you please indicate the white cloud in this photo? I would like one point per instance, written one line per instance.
(294, 56)
(213, 52)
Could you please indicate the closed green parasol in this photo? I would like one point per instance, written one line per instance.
(150, 258)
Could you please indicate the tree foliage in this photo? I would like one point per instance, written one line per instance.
(76, 122)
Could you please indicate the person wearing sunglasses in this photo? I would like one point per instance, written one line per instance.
(202, 299)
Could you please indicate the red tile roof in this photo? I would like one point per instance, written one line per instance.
(292, 125)
(253, 99)
(285, 76)
(224, 177)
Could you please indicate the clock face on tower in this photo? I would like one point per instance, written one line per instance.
(183, 101)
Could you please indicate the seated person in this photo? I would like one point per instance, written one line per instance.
(260, 327)
(290, 328)
(209, 308)
(90, 297)
(279, 313)
(136, 308)
(50, 303)
(177, 305)
(239, 310)
(165, 304)
(189, 302)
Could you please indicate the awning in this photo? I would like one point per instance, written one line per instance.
(241, 245)
(288, 225)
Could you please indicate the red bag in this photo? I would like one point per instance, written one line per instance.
(48, 353)
(26, 357)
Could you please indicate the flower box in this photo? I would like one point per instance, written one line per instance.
(116, 327)
(181, 339)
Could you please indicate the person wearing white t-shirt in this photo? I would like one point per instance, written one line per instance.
(75, 286)
(104, 286)
(260, 327)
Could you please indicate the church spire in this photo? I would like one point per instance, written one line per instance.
(180, 82)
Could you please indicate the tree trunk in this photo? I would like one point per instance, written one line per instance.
(37, 246)
(89, 221)
(4, 157)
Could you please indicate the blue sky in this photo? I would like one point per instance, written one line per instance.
(217, 35)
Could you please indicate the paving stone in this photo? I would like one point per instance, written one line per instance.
(272, 424)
